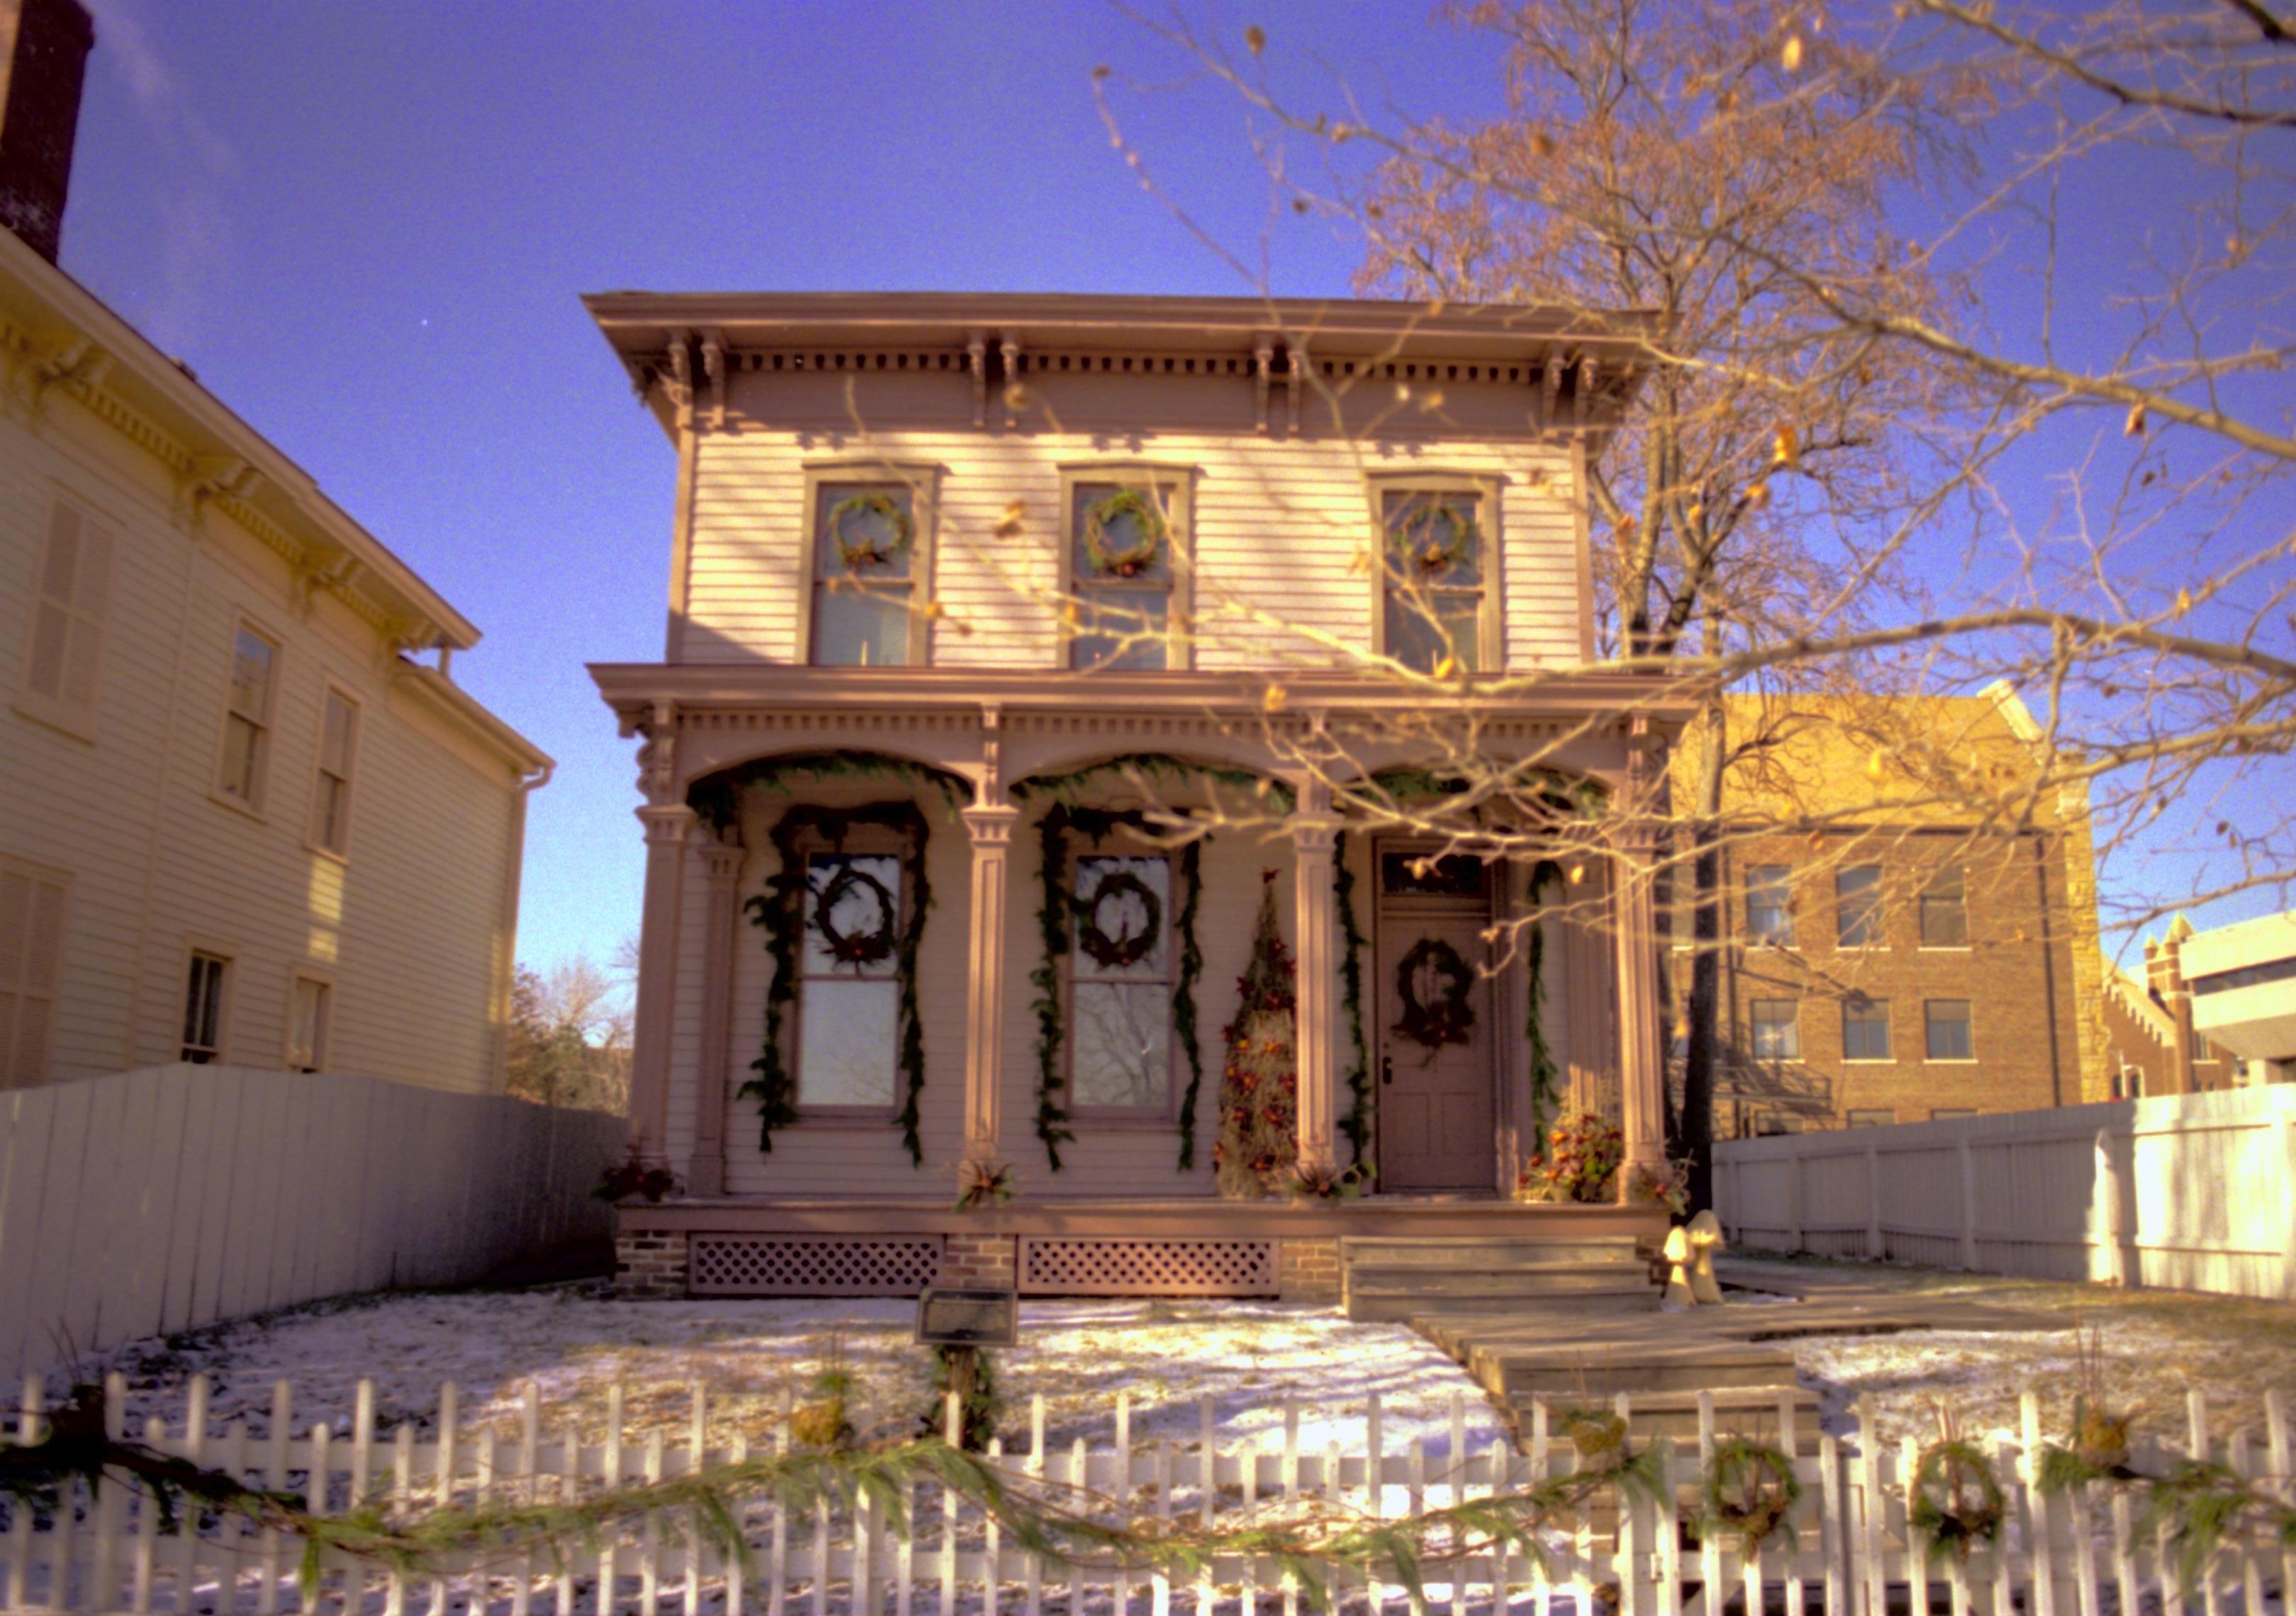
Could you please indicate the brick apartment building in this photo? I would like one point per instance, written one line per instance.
(1914, 935)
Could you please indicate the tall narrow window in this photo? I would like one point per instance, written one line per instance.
(1769, 905)
(331, 795)
(1946, 1023)
(32, 951)
(309, 1009)
(1944, 912)
(865, 576)
(1122, 565)
(1433, 564)
(1121, 986)
(247, 721)
(1858, 907)
(1865, 1029)
(204, 996)
(848, 1013)
(1777, 1026)
(73, 600)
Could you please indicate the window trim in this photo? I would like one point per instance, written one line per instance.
(1491, 618)
(258, 807)
(38, 874)
(922, 479)
(1888, 1030)
(54, 712)
(298, 974)
(331, 686)
(1179, 520)
(1970, 1022)
(1880, 910)
(227, 1002)
(1122, 844)
(862, 842)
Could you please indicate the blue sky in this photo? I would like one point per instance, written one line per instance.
(367, 228)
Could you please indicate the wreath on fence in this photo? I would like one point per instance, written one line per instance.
(1417, 537)
(1956, 1500)
(869, 549)
(1115, 950)
(1750, 1489)
(857, 946)
(1450, 1016)
(1128, 560)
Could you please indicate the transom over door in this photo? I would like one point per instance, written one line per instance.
(1435, 1098)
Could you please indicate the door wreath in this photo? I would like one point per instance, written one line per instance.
(856, 947)
(1451, 1017)
(1128, 560)
(868, 550)
(1116, 950)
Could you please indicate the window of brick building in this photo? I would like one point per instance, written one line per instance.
(1946, 1021)
(1873, 1117)
(1769, 909)
(1858, 907)
(1865, 1029)
(1949, 1113)
(1945, 913)
(1776, 1025)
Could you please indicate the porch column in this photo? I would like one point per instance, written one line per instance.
(1642, 1070)
(705, 1172)
(984, 1015)
(665, 828)
(1314, 836)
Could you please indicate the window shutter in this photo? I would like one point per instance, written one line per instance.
(68, 619)
(51, 615)
(91, 604)
(31, 944)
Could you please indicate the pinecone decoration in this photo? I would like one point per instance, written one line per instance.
(1259, 1083)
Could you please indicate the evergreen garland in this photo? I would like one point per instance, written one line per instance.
(718, 798)
(1546, 1100)
(1357, 1124)
(1162, 768)
(779, 911)
(1055, 914)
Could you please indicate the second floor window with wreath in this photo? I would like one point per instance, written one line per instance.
(865, 576)
(1433, 566)
(1120, 986)
(1122, 568)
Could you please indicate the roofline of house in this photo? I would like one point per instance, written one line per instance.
(473, 716)
(98, 356)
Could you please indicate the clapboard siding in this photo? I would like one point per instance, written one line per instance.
(1280, 530)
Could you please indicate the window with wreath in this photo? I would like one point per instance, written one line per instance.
(1433, 561)
(1122, 570)
(1120, 986)
(865, 576)
(849, 992)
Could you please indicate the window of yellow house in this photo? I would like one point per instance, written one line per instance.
(310, 1009)
(331, 790)
(207, 1001)
(248, 715)
(31, 963)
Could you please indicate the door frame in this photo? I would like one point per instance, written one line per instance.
(1496, 1066)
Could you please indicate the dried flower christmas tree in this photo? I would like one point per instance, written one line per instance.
(1259, 1083)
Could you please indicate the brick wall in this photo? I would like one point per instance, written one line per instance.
(985, 1260)
(1308, 1270)
(648, 1265)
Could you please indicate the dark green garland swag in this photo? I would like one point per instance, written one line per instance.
(1162, 768)
(718, 798)
(1357, 1124)
(1055, 915)
(780, 912)
(1546, 1100)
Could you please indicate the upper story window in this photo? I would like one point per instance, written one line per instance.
(246, 718)
(206, 999)
(32, 956)
(1120, 986)
(64, 652)
(331, 793)
(1125, 569)
(849, 991)
(868, 557)
(1864, 1029)
(1436, 594)
(1858, 907)
(1944, 912)
(1776, 1025)
(1769, 908)
(1945, 1031)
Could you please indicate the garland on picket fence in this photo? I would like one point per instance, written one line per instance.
(779, 910)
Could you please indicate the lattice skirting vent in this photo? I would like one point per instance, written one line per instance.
(1148, 1267)
(767, 1265)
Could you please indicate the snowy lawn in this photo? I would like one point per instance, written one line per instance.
(2157, 1346)
(1247, 1356)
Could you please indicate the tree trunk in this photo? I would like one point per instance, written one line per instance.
(1704, 1042)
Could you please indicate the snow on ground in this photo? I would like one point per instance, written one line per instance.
(1248, 1356)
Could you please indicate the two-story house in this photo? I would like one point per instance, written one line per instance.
(982, 610)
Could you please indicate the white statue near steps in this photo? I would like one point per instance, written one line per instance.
(1690, 1251)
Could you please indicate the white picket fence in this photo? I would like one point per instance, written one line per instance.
(1851, 1550)
(173, 1196)
(2186, 1191)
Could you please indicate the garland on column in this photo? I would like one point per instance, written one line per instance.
(779, 911)
(1546, 1100)
(1055, 914)
(1357, 1124)
(1259, 1081)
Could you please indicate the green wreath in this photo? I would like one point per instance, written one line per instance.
(870, 552)
(1116, 952)
(1942, 1505)
(1414, 537)
(1451, 1017)
(856, 947)
(1751, 1490)
(1135, 558)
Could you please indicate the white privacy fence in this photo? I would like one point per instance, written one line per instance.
(2190, 1192)
(174, 1196)
(1847, 1545)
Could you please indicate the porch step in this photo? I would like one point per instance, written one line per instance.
(1487, 1253)
(1510, 1276)
(1582, 1372)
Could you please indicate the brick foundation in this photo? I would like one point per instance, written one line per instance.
(985, 1260)
(1308, 1270)
(648, 1265)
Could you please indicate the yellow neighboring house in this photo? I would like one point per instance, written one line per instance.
(238, 823)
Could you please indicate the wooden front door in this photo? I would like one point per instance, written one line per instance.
(1436, 1101)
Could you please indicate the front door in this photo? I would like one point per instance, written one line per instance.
(1435, 1045)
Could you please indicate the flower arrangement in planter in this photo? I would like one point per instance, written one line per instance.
(1580, 1164)
(630, 1178)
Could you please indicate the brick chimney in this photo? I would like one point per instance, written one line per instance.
(43, 47)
